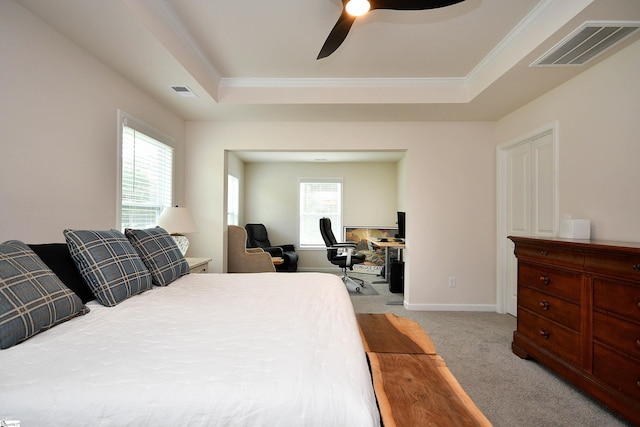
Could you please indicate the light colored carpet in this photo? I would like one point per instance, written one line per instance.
(367, 289)
(476, 346)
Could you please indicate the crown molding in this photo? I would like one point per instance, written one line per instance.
(402, 82)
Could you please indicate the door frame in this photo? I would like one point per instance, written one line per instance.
(502, 246)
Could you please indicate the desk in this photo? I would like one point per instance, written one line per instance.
(386, 245)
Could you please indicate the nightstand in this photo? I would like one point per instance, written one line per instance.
(198, 265)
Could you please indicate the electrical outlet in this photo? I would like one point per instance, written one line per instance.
(452, 282)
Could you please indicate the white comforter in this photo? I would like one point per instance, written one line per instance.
(208, 350)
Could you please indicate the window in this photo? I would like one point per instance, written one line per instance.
(146, 174)
(319, 197)
(233, 200)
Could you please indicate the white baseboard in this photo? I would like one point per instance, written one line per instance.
(451, 307)
(423, 307)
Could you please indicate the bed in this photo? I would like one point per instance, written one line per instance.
(263, 349)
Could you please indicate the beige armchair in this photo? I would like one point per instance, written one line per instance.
(243, 260)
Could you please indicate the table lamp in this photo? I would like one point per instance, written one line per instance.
(178, 221)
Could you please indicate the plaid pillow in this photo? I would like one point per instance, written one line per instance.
(32, 298)
(160, 254)
(109, 264)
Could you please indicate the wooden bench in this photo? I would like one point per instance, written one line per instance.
(412, 383)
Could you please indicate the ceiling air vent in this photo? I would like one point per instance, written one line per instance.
(184, 91)
(586, 42)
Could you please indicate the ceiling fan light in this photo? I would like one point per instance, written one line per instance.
(357, 7)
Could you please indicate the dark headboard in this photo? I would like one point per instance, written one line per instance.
(58, 259)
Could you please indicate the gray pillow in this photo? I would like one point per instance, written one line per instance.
(109, 264)
(32, 297)
(160, 254)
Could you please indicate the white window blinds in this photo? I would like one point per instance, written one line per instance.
(147, 178)
(319, 197)
(233, 200)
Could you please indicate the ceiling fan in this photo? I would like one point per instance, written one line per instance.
(351, 9)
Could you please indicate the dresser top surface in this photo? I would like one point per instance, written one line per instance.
(600, 245)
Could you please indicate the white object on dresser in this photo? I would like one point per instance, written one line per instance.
(198, 265)
(575, 229)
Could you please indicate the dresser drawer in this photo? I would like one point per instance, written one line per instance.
(617, 297)
(619, 265)
(550, 254)
(549, 335)
(620, 372)
(561, 283)
(624, 336)
(558, 310)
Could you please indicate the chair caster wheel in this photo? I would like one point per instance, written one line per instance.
(358, 289)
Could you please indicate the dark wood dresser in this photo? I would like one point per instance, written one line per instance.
(579, 314)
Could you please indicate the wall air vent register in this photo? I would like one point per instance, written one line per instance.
(184, 91)
(586, 42)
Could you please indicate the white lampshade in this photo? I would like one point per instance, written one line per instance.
(178, 221)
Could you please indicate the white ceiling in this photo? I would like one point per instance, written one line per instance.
(255, 60)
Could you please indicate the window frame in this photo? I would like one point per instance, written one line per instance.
(336, 223)
(126, 119)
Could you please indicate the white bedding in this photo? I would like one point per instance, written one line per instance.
(208, 350)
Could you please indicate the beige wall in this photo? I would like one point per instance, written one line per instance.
(450, 195)
(58, 132)
(271, 194)
(598, 117)
(58, 159)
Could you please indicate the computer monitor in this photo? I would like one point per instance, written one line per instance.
(401, 225)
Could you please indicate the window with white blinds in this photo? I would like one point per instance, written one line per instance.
(146, 178)
(319, 197)
(233, 200)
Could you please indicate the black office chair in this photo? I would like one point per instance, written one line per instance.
(341, 254)
(257, 237)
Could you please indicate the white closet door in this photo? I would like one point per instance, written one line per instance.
(519, 190)
(530, 199)
(543, 186)
(518, 212)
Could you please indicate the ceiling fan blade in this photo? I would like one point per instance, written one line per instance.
(345, 21)
(411, 4)
(337, 34)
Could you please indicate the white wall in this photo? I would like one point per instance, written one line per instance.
(271, 194)
(58, 132)
(450, 195)
(598, 114)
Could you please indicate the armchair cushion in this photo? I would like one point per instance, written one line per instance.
(274, 251)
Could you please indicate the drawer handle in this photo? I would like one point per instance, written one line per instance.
(544, 253)
(544, 305)
(638, 343)
(544, 334)
(545, 279)
(636, 267)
